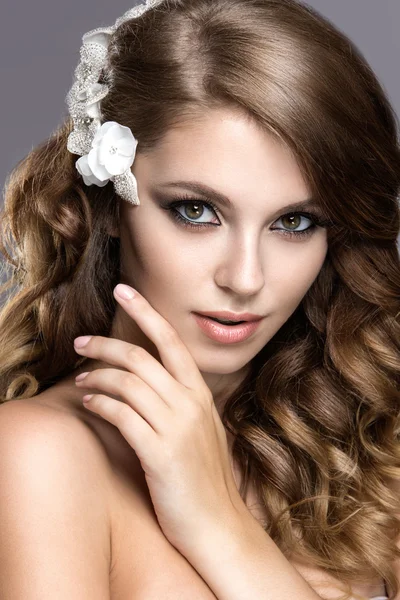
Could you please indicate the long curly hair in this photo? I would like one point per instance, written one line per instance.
(316, 421)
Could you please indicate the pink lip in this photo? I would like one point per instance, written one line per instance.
(228, 334)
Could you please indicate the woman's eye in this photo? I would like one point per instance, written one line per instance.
(195, 211)
(192, 213)
(292, 221)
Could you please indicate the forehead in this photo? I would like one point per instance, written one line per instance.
(229, 151)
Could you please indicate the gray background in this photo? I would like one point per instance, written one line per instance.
(39, 50)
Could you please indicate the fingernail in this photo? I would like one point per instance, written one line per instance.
(124, 291)
(81, 341)
(81, 377)
(87, 398)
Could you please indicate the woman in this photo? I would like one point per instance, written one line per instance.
(238, 160)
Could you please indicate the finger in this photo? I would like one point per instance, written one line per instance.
(173, 352)
(132, 390)
(137, 432)
(136, 360)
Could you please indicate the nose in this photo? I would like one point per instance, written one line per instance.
(241, 268)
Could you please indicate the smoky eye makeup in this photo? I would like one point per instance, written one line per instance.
(175, 204)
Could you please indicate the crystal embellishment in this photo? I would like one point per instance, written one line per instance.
(107, 150)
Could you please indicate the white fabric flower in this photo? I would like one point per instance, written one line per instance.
(113, 152)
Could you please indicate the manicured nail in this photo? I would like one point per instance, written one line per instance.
(87, 398)
(81, 377)
(124, 291)
(81, 341)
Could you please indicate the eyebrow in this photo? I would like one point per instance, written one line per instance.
(209, 192)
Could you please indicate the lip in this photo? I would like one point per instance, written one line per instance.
(226, 334)
(230, 316)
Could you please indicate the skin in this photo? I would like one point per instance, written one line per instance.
(242, 265)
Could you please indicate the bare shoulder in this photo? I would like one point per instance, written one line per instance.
(41, 429)
(54, 505)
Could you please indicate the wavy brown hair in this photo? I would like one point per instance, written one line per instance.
(316, 422)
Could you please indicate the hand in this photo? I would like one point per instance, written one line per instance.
(167, 414)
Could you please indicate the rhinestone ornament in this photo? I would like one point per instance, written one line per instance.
(84, 97)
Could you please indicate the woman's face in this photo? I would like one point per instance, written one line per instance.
(238, 259)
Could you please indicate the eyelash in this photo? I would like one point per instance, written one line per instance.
(182, 200)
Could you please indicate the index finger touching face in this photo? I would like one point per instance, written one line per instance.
(174, 354)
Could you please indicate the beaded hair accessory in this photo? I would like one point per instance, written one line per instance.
(107, 150)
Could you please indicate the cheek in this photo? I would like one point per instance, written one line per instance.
(294, 275)
(154, 257)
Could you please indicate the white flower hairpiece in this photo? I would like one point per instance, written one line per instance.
(107, 150)
(112, 153)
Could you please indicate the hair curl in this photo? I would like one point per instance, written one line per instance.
(316, 422)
